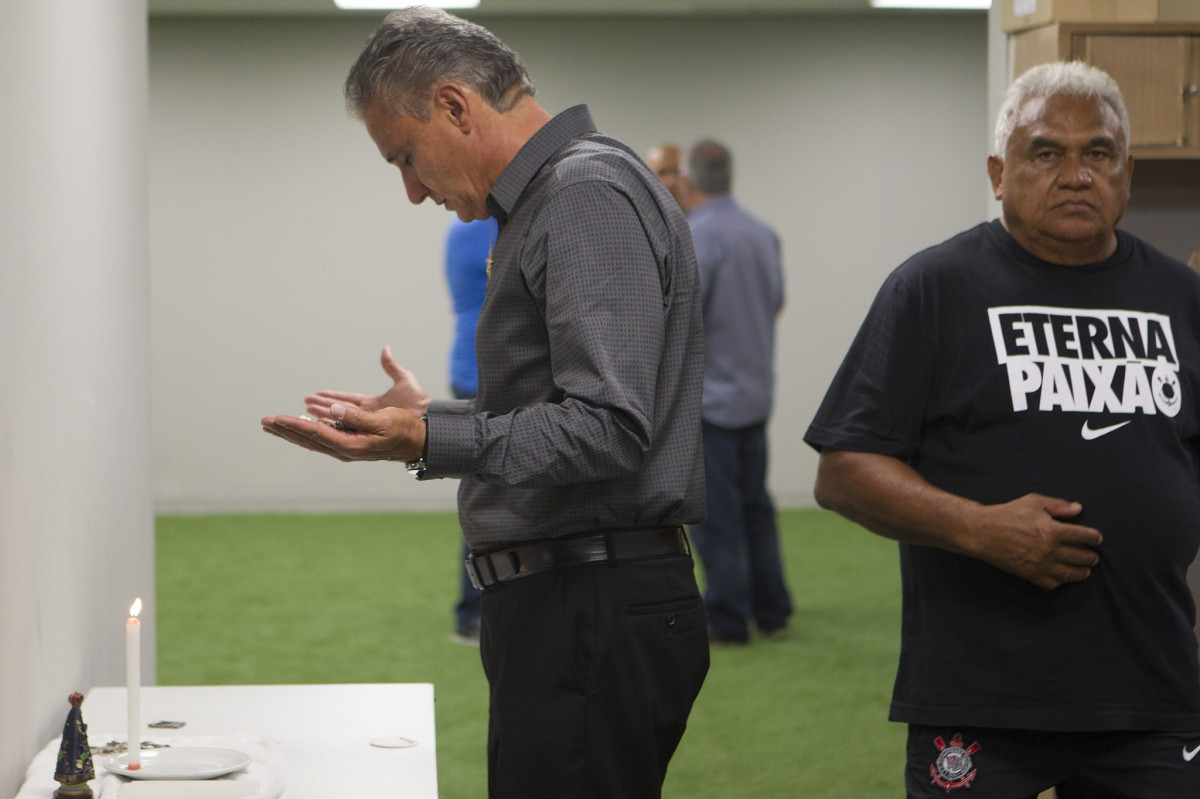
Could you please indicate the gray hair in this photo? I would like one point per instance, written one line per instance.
(710, 167)
(416, 48)
(1061, 78)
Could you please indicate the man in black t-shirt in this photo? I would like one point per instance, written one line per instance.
(1019, 412)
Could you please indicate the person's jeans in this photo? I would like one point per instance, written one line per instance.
(739, 544)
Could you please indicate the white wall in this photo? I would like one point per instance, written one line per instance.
(285, 254)
(76, 525)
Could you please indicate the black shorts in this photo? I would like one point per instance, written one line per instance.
(1019, 764)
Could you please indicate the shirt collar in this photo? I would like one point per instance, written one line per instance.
(720, 202)
(549, 139)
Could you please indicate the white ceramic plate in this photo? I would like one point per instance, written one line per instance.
(181, 763)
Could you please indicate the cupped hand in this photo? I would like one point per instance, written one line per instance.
(406, 393)
(385, 434)
(1028, 537)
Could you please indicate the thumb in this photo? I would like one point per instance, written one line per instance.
(1062, 509)
(349, 417)
(390, 365)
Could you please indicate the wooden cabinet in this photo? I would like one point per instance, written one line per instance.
(1157, 67)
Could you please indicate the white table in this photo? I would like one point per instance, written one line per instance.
(325, 730)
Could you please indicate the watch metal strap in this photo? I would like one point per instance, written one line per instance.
(418, 465)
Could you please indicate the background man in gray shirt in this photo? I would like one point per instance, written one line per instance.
(742, 283)
(580, 457)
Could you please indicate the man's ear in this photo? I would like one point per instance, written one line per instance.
(453, 103)
(995, 168)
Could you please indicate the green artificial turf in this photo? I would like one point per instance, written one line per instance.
(267, 599)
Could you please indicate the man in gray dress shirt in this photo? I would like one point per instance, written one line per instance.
(580, 457)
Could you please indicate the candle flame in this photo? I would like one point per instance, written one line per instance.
(135, 608)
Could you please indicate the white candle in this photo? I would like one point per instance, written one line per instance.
(133, 681)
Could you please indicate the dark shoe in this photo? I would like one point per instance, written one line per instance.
(467, 633)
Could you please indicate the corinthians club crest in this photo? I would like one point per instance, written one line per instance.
(954, 767)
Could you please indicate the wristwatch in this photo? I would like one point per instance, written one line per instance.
(418, 466)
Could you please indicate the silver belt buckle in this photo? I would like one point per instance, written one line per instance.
(473, 573)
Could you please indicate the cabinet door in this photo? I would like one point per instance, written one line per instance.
(1153, 73)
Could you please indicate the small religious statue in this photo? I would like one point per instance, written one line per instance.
(74, 767)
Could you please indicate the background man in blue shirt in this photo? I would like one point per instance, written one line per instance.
(741, 282)
(467, 249)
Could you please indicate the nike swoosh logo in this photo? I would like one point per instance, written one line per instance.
(1189, 755)
(1090, 434)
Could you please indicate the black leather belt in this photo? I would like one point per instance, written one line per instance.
(489, 568)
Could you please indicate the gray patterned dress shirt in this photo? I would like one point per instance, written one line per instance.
(590, 352)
